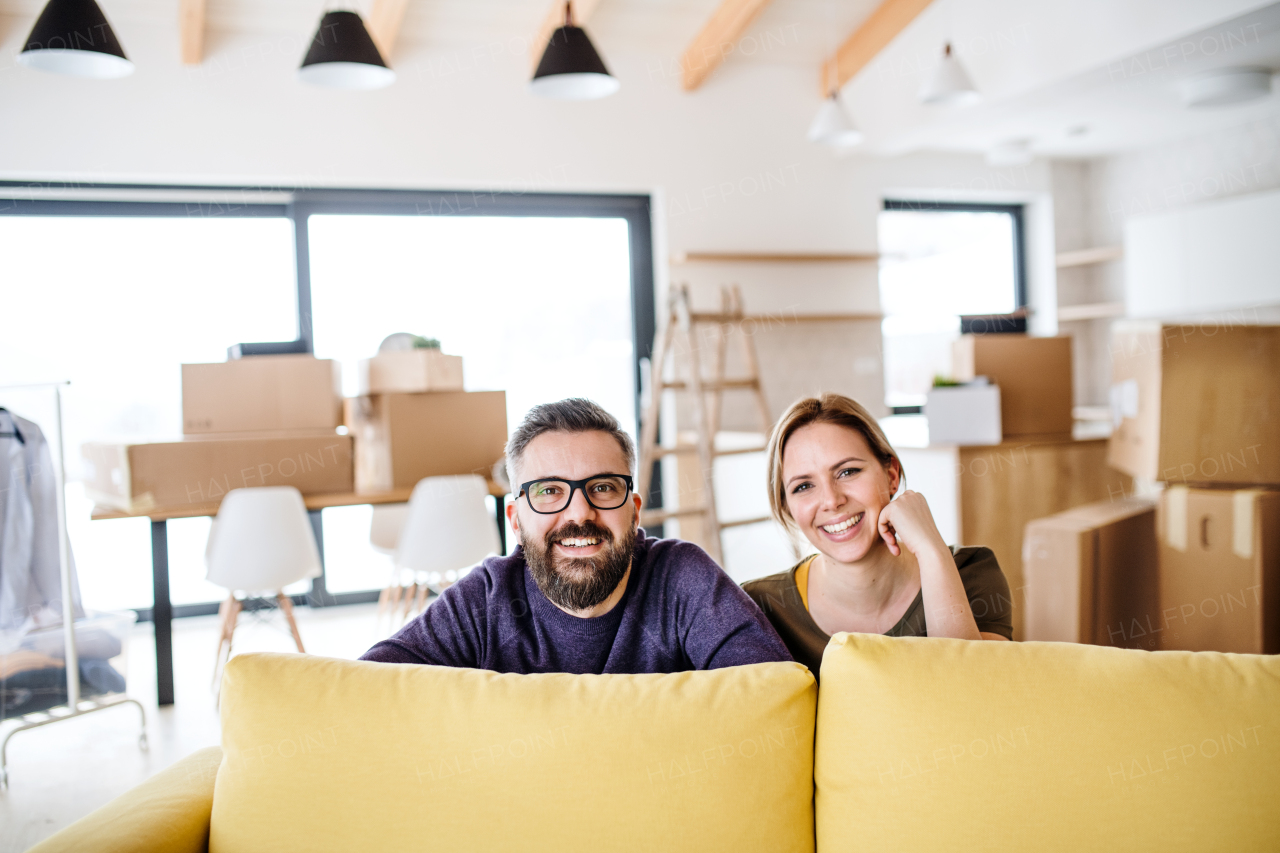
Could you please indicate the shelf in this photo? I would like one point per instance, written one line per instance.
(771, 257)
(1090, 311)
(1084, 257)
(779, 319)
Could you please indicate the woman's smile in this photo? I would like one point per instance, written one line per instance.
(842, 530)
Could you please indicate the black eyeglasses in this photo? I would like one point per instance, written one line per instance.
(607, 491)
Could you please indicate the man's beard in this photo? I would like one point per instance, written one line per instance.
(583, 582)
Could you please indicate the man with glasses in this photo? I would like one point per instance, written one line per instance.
(586, 591)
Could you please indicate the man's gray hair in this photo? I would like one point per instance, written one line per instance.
(573, 415)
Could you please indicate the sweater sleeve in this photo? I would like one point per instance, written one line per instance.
(987, 590)
(448, 633)
(720, 623)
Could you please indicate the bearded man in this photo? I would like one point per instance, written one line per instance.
(586, 591)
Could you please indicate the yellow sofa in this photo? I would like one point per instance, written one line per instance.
(915, 744)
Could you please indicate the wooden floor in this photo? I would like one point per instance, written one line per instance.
(61, 772)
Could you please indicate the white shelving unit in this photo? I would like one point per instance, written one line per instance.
(1089, 310)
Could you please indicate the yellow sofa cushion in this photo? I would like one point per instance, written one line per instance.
(932, 744)
(168, 813)
(333, 755)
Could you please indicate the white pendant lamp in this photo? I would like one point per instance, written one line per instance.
(1013, 152)
(570, 68)
(1220, 87)
(949, 83)
(832, 125)
(73, 37)
(343, 56)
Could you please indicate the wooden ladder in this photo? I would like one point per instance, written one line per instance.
(680, 339)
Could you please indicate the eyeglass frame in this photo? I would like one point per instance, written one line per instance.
(574, 486)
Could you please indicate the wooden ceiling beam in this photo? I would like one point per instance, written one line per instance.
(191, 31)
(717, 40)
(385, 18)
(875, 33)
(554, 20)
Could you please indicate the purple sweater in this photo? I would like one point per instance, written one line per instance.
(680, 611)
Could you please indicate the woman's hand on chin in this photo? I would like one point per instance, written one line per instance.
(907, 520)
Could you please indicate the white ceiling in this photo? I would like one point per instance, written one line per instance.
(1121, 95)
(1046, 68)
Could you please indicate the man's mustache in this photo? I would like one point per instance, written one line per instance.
(574, 530)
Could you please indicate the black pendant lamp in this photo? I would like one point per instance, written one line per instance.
(571, 69)
(343, 56)
(73, 37)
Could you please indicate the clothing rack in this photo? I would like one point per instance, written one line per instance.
(75, 707)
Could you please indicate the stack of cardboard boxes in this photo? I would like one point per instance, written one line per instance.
(1196, 407)
(254, 421)
(413, 420)
(1012, 386)
(275, 420)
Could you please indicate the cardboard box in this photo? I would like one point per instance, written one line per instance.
(411, 372)
(1091, 575)
(1034, 375)
(1196, 403)
(964, 414)
(401, 438)
(1220, 569)
(261, 393)
(198, 471)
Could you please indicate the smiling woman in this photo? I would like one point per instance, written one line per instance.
(881, 567)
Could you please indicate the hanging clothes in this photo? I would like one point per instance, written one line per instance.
(30, 573)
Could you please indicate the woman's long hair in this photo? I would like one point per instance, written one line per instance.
(826, 409)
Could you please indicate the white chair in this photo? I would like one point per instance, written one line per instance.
(448, 530)
(384, 537)
(261, 541)
(385, 526)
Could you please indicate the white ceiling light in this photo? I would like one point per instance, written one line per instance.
(949, 83)
(1221, 86)
(832, 125)
(1015, 152)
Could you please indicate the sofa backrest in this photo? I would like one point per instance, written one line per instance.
(932, 744)
(332, 755)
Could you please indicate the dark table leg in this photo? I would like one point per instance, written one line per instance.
(500, 504)
(162, 611)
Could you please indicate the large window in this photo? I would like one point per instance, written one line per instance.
(939, 262)
(115, 304)
(545, 296)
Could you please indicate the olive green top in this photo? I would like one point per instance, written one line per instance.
(787, 605)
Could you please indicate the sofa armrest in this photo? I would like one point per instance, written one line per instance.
(168, 813)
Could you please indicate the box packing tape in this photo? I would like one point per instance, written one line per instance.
(1175, 517)
(1243, 506)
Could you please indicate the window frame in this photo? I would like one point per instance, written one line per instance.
(1016, 211)
(32, 198)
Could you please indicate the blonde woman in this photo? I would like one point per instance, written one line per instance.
(881, 566)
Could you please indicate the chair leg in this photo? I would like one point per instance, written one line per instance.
(393, 599)
(286, 606)
(233, 607)
(223, 609)
(420, 603)
(233, 616)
